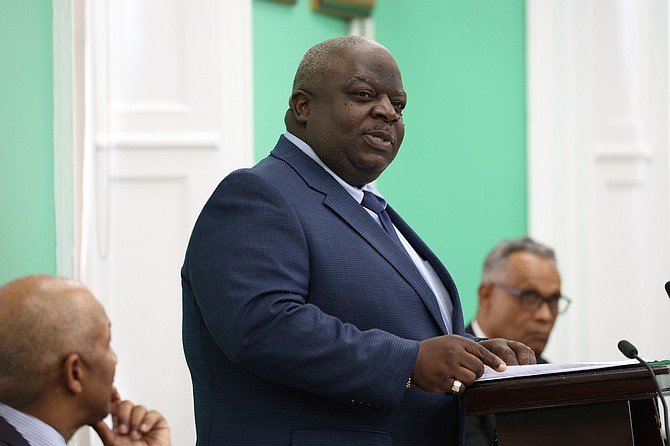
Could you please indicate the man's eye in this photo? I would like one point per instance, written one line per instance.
(399, 105)
(531, 295)
(364, 94)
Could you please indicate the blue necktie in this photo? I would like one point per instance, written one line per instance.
(378, 206)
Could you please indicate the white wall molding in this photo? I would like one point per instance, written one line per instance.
(64, 136)
(189, 141)
(170, 115)
(598, 168)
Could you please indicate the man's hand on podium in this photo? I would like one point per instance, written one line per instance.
(444, 360)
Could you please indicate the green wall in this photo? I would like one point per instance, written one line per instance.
(282, 34)
(460, 176)
(27, 215)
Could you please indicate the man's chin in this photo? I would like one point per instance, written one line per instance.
(98, 418)
(104, 413)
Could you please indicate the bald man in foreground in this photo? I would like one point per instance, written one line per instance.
(57, 369)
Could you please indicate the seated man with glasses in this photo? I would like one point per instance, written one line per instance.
(519, 299)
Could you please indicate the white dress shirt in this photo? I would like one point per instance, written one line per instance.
(477, 330)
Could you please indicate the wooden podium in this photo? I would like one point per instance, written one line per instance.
(613, 407)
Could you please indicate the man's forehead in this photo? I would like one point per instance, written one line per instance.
(360, 53)
(525, 258)
(374, 81)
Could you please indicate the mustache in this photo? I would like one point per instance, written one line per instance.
(381, 129)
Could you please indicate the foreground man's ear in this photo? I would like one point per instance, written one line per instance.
(299, 102)
(73, 371)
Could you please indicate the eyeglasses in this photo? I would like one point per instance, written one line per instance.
(531, 301)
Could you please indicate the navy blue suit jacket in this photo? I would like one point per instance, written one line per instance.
(9, 436)
(302, 318)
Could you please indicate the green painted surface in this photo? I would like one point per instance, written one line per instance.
(460, 176)
(27, 215)
(282, 34)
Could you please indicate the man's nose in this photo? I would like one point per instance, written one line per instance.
(545, 312)
(384, 109)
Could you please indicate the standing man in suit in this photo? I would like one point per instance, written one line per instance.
(519, 298)
(57, 369)
(309, 319)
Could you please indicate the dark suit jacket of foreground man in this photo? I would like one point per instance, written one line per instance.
(302, 318)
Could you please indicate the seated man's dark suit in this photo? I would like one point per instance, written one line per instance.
(302, 318)
(9, 436)
(479, 430)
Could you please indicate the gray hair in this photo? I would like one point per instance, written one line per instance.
(316, 60)
(501, 252)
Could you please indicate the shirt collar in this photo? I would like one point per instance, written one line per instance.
(34, 430)
(353, 191)
(477, 330)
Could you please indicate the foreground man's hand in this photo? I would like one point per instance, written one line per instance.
(443, 360)
(512, 352)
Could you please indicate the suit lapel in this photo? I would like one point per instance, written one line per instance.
(457, 325)
(343, 204)
(9, 435)
(359, 219)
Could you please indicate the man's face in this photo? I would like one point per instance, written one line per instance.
(354, 118)
(101, 367)
(502, 313)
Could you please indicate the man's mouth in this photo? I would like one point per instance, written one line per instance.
(380, 136)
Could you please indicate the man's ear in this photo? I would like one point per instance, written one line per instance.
(73, 373)
(484, 292)
(299, 102)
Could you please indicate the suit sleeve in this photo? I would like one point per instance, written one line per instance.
(249, 269)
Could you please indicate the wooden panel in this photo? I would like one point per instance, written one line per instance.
(344, 8)
(607, 406)
(566, 389)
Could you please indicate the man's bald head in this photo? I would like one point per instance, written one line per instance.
(43, 319)
(318, 58)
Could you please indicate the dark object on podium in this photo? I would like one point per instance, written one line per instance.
(614, 407)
